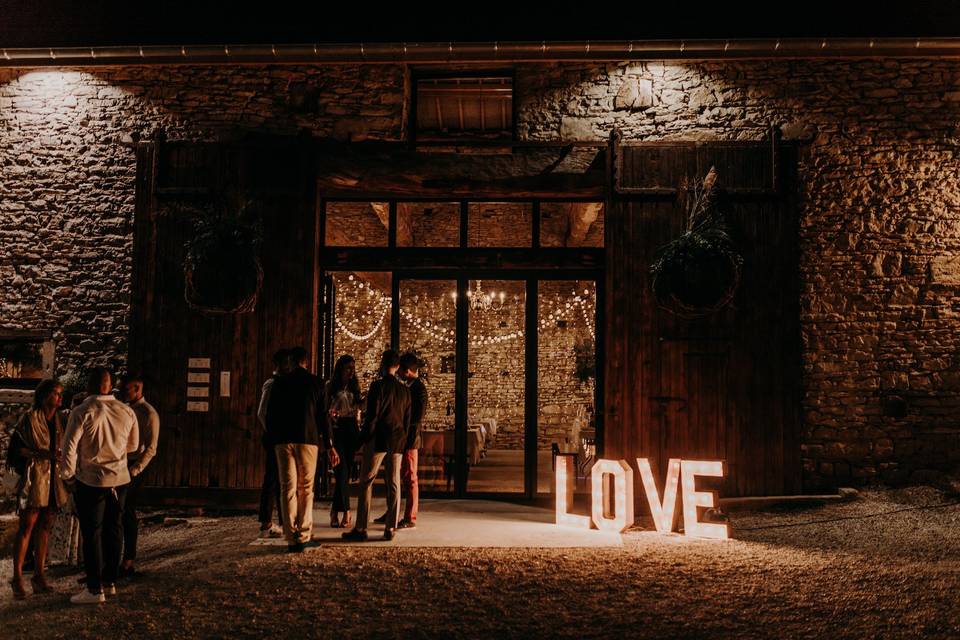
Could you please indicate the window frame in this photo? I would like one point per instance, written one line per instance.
(417, 75)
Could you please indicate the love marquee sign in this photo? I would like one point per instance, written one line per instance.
(680, 473)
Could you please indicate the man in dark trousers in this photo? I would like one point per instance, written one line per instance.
(270, 487)
(101, 432)
(297, 424)
(384, 434)
(409, 374)
(148, 425)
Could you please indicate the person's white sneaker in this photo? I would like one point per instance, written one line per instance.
(273, 532)
(85, 597)
(109, 589)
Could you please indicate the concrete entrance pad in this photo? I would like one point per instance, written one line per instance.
(467, 523)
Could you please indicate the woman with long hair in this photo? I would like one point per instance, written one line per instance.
(34, 452)
(342, 401)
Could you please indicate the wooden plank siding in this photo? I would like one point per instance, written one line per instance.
(220, 449)
(723, 387)
(727, 386)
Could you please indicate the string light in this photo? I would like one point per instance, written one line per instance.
(381, 304)
(552, 313)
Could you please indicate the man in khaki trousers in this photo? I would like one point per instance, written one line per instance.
(297, 425)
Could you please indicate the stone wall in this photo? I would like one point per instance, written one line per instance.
(10, 412)
(879, 238)
(67, 172)
(880, 242)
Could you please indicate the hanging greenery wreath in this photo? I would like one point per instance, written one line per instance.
(698, 273)
(222, 271)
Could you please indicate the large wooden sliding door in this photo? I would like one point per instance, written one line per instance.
(210, 440)
(722, 387)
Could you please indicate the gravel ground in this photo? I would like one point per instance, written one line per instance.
(836, 571)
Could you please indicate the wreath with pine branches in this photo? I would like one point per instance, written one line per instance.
(698, 273)
(222, 270)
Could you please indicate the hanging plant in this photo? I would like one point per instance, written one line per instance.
(222, 271)
(698, 273)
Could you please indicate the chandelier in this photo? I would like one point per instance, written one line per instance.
(480, 301)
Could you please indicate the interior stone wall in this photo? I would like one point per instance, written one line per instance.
(879, 228)
(496, 353)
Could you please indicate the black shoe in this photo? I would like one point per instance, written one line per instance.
(406, 524)
(355, 536)
(381, 519)
(296, 548)
(388, 534)
(131, 573)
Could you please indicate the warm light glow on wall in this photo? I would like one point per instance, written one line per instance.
(622, 494)
(58, 97)
(564, 493)
(664, 511)
(707, 499)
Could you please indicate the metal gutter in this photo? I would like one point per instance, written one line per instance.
(486, 52)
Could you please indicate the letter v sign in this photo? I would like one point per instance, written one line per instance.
(664, 512)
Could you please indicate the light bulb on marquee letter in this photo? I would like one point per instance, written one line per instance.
(564, 493)
(663, 511)
(622, 494)
(693, 499)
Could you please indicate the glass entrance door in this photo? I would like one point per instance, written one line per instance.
(496, 386)
(480, 433)
(427, 327)
(566, 379)
(473, 441)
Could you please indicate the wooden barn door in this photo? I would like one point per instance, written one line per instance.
(722, 387)
(214, 454)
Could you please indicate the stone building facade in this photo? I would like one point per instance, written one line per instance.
(879, 232)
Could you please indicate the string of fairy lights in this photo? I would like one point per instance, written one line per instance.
(379, 307)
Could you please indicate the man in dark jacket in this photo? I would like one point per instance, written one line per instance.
(296, 425)
(409, 374)
(384, 434)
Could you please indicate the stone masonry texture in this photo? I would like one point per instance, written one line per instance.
(879, 227)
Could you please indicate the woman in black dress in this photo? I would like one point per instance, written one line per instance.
(343, 401)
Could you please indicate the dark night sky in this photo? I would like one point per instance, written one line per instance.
(25, 23)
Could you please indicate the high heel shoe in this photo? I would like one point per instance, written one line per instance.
(40, 584)
(346, 522)
(19, 593)
(334, 519)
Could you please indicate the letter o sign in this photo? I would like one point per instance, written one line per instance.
(622, 494)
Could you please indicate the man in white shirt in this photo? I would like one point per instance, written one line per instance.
(100, 433)
(148, 426)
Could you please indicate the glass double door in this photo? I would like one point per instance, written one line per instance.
(509, 366)
(524, 392)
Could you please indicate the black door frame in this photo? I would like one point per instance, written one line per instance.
(462, 264)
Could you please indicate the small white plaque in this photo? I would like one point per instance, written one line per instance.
(198, 363)
(224, 384)
(198, 392)
(197, 406)
(198, 378)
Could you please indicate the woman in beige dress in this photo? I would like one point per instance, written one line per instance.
(35, 453)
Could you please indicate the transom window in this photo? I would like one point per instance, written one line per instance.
(464, 108)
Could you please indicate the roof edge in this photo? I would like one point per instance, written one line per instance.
(486, 52)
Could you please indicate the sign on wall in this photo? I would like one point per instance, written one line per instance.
(198, 385)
